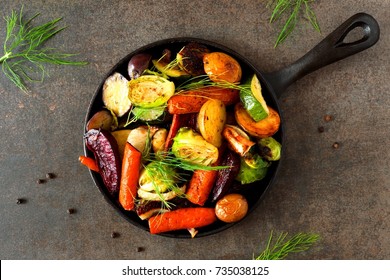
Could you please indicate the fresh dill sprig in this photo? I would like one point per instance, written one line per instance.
(290, 11)
(168, 159)
(280, 249)
(24, 55)
(203, 81)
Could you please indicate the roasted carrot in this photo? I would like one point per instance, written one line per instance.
(89, 162)
(129, 177)
(183, 218)
(177, 122)
(191, 101)
(200, 186)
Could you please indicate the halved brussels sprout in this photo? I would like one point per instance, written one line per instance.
(150, 91)
(191, 146)
(253, 168)
(270, 149)
(156, 177)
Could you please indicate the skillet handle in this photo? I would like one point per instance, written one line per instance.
(329, 50)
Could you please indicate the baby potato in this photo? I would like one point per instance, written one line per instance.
(261, 129)
(101, 120)
(121, 139)
(211, 121)
(231, 208)
(221, 67)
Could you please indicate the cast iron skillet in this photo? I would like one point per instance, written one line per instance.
(331, 49)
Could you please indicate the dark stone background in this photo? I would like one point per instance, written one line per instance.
(341, 194)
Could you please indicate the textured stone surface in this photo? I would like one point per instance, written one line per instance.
(342, 194)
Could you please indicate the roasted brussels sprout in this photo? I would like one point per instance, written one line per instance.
(269, 148)
(157, 177)
(253, 168)
(150, 91)
(191, 146)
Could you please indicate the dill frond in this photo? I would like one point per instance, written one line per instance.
(281, 248)
(24, 55)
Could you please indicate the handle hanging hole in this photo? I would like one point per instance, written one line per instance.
(355, 35)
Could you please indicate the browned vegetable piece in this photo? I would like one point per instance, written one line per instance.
(226, 176)
(231, 208)
(221, 67)
(237, 139)
(191, 101)
(261, 129)
(105, 149)
(190, 58)
(149, 208)
(115, 94)
(102, 119)
(211, 120)
(121, 139)
(138, 64)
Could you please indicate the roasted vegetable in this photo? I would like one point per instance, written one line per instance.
(158, 140)
(253, 168)
(169, 70)
(148, 208)
(102, 119)
(121, 139)
(115, 94)
(221, 67)
(225, 177)
(105, 149)
(262, 129)
(149, 91)
(231, 208)
(269, 149)
(138, 64)
(190, 58)
(131, 165)
(158, 178)
(183, 218)
(253, 101)
(141, 136)
(200, 186)
(238, 141)
(89, 162)
(211, 121)
(191, 101)
(178, 121)
(190, 146)
(148, 114)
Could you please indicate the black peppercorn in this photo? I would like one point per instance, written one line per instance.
(50, 176)
(114, 234)
(321, 129)
(41, 181)
(140, 249)
(20, 201)
(71, 211)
